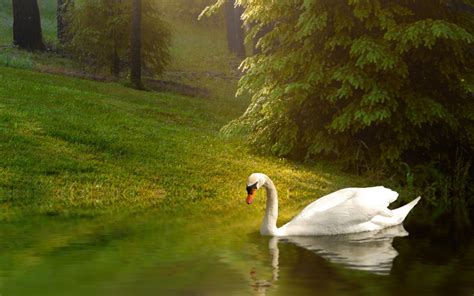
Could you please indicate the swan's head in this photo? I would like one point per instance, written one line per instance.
(254, 182)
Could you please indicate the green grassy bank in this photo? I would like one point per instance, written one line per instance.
(76, 147)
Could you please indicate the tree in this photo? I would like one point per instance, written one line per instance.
(371, 83)
(233, 11)
(234, 25)
(135, 75)
(61, 23)
(100, 33)
(27, 25)
(259, 34)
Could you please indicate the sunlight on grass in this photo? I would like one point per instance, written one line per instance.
(76, 147)
(79, 148)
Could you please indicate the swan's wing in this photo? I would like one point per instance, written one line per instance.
(350, 205)
(326, 202)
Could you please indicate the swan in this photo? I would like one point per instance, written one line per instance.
(348, 210)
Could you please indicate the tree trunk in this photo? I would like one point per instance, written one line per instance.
(136, 65)
(239, 32)
(115, 66)
(62, 8)
(460, 6)
(235, 32)
(27, 25)
(229, 19)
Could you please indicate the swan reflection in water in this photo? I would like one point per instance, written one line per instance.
(367, 251)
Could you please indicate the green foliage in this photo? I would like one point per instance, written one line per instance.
(15, 61)
(393, 75)
(211, 9)
(189, 11)
(99, 33)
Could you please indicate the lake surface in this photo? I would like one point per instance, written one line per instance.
(160, 254)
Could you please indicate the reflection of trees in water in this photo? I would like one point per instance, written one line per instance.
(434, 261)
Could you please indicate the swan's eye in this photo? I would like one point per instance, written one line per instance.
(251, 188)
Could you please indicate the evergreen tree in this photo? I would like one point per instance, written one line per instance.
(372, 82)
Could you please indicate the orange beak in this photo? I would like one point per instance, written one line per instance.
(251, 196)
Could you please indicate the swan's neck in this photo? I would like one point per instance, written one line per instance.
(271, 213)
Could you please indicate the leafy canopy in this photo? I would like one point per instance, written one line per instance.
(388, 81)
(99, 32)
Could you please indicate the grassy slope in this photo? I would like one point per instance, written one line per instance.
(77, 147)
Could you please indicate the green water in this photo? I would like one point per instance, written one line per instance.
(162, 254)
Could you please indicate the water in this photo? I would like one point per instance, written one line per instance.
(161, 254)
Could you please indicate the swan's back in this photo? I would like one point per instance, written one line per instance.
(344, 211)
(378, 196)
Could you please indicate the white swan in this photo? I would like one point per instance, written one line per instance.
(347, 210)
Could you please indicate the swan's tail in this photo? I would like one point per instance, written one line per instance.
(397, 215)
(403, 211)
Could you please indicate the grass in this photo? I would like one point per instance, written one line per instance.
(198, 50)
(74, 147)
